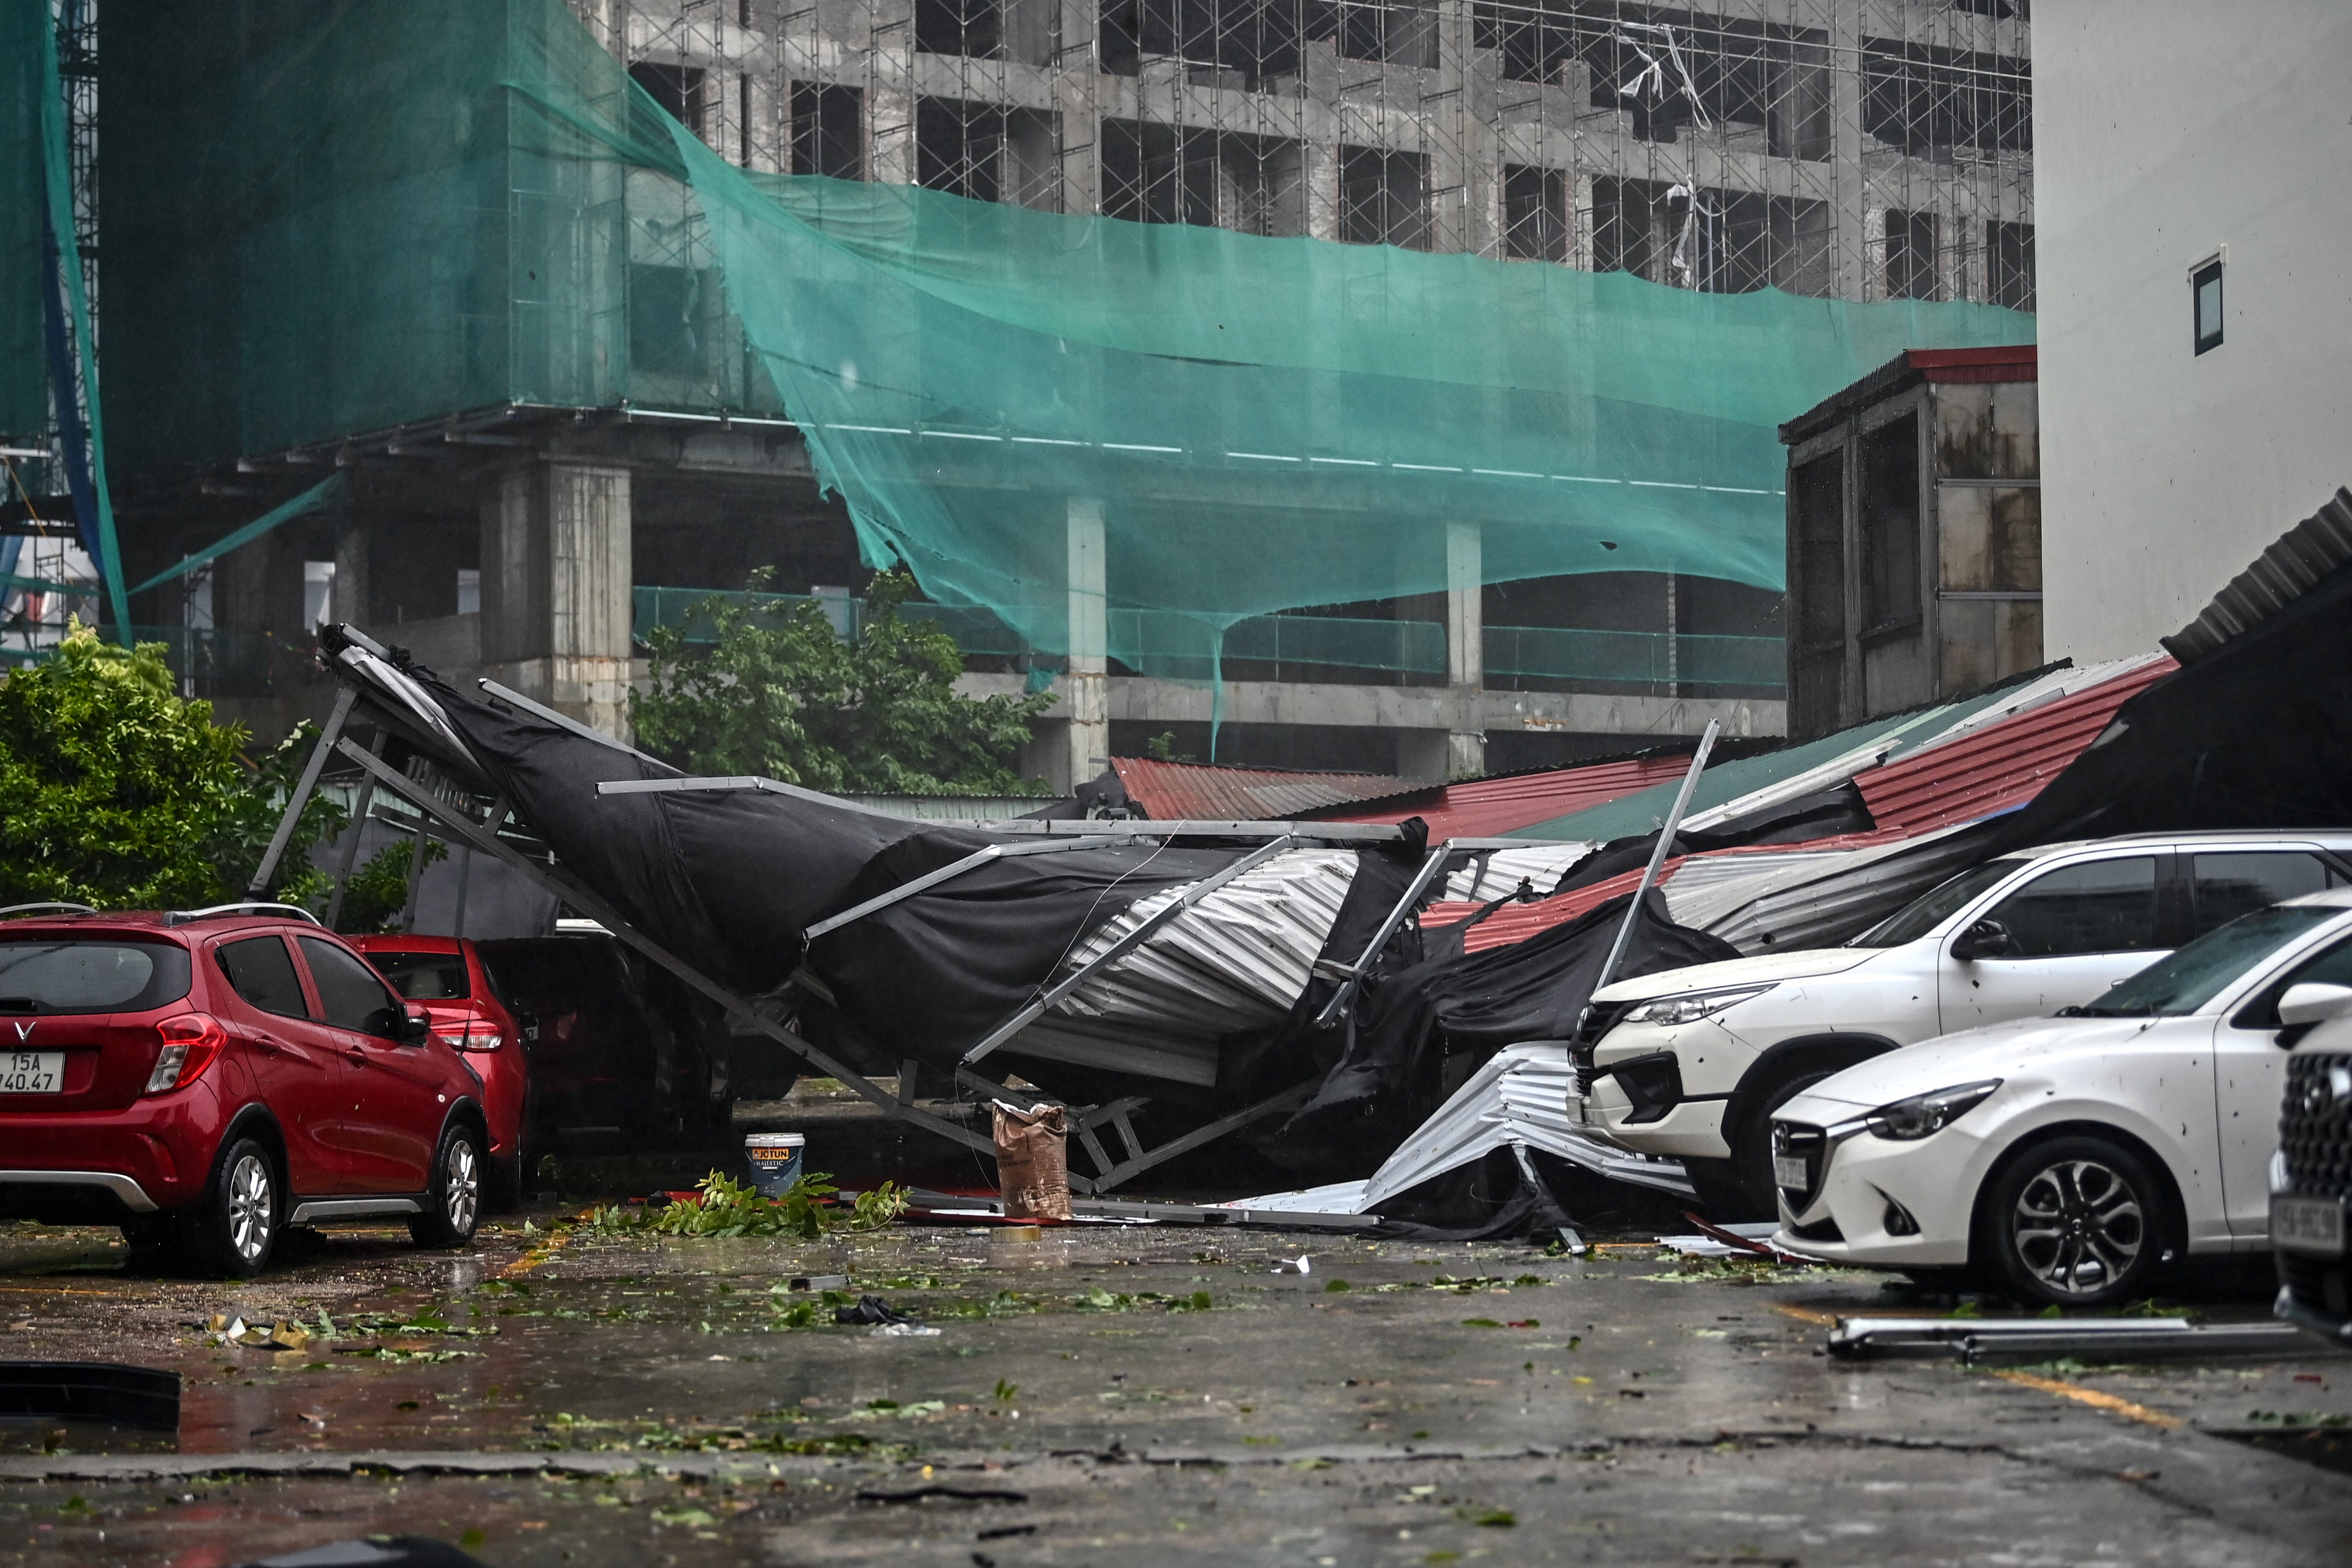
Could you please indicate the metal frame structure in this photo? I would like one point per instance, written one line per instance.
(456, 825)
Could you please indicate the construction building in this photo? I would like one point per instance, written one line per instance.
(625, 460)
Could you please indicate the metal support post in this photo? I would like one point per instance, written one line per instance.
(416, 877)
(350, 847)
(1658, 856)
(1404, 906)
(278, 840)
(931, 879)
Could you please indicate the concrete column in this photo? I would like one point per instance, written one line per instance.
(1466, 656)
(1874, 255)
(1087, 683)
(556, 572)
(890, 95)
(1846, 152)
(1320, 160)
(767, 135)
(348, 599)
(1078, 88)
(1579, 217)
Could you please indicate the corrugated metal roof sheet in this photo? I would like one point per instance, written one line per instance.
(1500, 807)
(2293, 565)
(1191, 791)
(1999, 766)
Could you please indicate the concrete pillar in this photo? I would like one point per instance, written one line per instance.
(1320, 160)
(1579, 191)
(1874, 255)
(890, 95)
(347, 600)
(1086, 686)
(1078, 88)
(1846, 152)
(768, 132)
(1465, 657)
(556, 572)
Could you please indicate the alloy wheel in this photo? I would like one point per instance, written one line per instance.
(2078, 1227)
(461, 1185)
(252, 1206)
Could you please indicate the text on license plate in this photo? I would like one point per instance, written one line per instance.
(1790, 1172)
(2315, 1226)
(32, 1072)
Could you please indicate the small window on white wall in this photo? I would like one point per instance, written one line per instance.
(2205, 293)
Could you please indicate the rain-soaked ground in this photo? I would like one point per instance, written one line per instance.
(1117, 1396)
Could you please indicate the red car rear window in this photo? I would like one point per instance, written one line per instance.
(424, 976)
(71, 974)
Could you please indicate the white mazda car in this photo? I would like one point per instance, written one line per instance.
(2066, 1158)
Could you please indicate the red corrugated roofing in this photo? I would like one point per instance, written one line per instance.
(1174, 791)
(2016, 361)
(1491, 808)
(2001, 765)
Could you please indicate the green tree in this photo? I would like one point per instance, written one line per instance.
(779, 693)
(116, 792)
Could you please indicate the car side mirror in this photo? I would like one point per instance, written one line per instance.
(415, 1023)
(2313, 1003)
(1985, 939)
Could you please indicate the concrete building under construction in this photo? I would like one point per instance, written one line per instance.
(1856, 150)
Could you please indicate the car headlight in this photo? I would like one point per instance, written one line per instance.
(1906, 1121)
(1692, 1005)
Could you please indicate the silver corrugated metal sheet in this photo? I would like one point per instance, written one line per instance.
(1237, 960)
(1523, 1095)
(1498, 874)
(1832, 898)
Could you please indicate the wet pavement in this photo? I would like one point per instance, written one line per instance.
(1101, 1396)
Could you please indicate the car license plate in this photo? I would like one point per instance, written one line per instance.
(33, 1072)
(2313, 1226)
(1790, 1171)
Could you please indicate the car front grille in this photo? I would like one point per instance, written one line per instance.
(2315, 1136)
(1795, 1141)
(1597, 1019)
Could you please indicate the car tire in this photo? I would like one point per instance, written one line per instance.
(2075, 1221)
(232, 1228)
(1750, 1184)
(452, 1203)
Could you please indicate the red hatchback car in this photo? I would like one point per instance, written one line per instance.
(204, 1078)
(444, 975)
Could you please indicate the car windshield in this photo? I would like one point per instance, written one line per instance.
(45, 975)
(2192, 976)
(424, 976)
(1932, 909)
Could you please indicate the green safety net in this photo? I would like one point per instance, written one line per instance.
(23, 364)
(453, 204)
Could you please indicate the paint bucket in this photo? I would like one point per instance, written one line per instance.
(775, 1161)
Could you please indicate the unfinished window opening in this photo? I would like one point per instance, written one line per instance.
(1911, 255)
(1400, 33)
(828, 133)
(2205, 296)
(1535, 214)
(1164, 173)
(1928, 101)
(1727, 242)
(973, 28)
(677, 88)
(987, 152)
(1890, 528)
(666, 308)
(1383, 197)
(2009, 264)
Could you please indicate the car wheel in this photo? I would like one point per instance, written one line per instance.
(453, 1205)
(2076, 1221)
(1750, 1184)
(232, 1229)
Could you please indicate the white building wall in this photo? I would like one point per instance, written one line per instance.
(2164, 131)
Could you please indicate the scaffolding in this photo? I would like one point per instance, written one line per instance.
(1861, 150)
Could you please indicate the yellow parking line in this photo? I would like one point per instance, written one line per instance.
(2093, 1397)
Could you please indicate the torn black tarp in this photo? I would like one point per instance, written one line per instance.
(2254, 731)
(1426, 1027)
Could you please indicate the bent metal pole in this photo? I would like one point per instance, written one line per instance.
(1658, 856)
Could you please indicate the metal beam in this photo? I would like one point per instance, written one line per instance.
(1338, 832)
(1404, 906)
(1286, 1101)
(737, 782)
(540, 876)
(360, 804)
(930, 880)
(1124, 945)
(562, 721)
(278, 840)
(1658, 854)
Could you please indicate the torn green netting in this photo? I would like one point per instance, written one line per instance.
(447, 205)
(23, 373)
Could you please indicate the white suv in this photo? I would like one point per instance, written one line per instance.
(1691, 1063)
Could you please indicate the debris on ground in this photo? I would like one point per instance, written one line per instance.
(1033, 1160)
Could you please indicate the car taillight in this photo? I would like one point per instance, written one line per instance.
(473, 1038)
(191, 1043)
